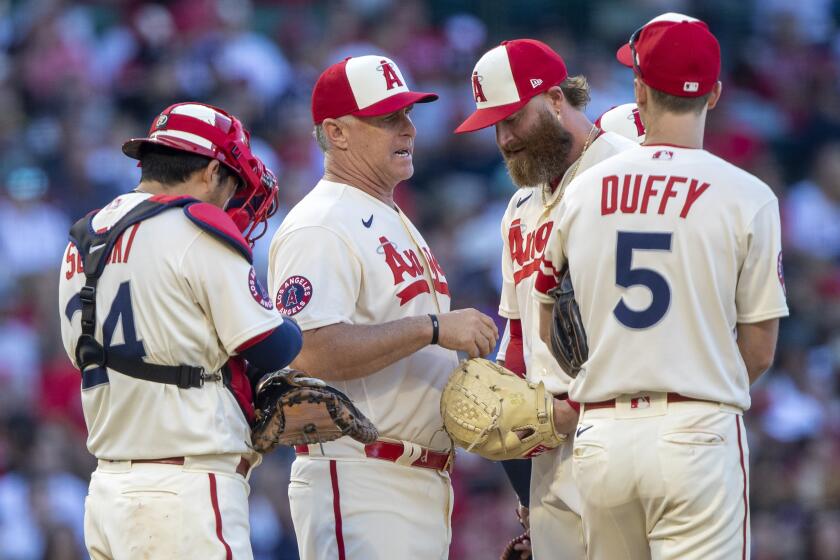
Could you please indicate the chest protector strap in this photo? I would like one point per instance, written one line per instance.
(94, 249)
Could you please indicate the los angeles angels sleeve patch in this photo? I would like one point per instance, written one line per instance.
(259, 293)
(293, 295)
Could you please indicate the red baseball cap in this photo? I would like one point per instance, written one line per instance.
(675, 54)
(363, 86)
(508, 76)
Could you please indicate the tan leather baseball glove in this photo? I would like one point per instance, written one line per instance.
(490, 411)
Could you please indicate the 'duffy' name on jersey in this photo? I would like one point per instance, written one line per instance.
(669, 248)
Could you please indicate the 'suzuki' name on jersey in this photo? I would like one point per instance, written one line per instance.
(526, 250)
(630, 194)
(410, 265)
(119, 254)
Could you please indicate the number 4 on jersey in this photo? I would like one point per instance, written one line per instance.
(626, 276)
(121, 312)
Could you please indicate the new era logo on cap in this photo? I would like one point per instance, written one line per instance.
(364, 86)
(508, 76)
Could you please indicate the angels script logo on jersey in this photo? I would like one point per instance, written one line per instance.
(406, 268)
(526, 249)
(257, 291)
(293, 295)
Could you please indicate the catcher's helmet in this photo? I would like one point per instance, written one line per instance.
(209, 131)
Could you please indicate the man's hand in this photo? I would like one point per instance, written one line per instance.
(468, 330)
(565, 417)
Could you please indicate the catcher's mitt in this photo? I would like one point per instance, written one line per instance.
(489, 410)
(510, 552)
(568, 337)
(293, 409)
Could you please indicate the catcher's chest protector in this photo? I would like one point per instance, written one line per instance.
(95, 247)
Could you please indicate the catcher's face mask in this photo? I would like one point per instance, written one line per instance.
(211, 132)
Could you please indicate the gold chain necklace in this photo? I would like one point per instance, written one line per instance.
(548, 204)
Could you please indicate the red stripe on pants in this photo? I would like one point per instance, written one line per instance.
(339, 535)
(746, 501)
(214, 499)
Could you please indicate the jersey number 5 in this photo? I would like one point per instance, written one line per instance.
(626, 276)
(120, 312)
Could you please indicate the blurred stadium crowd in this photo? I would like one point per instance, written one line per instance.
(77, 78)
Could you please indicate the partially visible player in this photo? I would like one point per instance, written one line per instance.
(676, 260)
(624, 120)
(157, 294)
(373, 303)
(523, 88)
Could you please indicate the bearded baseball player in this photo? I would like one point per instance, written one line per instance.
(676, 262)
(373, 303)
(523, 88)
(157, 294)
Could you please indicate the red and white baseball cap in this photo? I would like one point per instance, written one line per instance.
(675, 54)
(508, 76)
(362, 86)
(214, 133)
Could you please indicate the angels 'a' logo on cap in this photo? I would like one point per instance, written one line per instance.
(293, 295)
(478, 93)
(391, 78)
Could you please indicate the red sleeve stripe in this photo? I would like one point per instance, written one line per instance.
(515, 354)
(253, 341)
(548, 265)
(545, 283)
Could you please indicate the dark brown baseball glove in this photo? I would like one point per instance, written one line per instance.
(568, 337)
(294, 409)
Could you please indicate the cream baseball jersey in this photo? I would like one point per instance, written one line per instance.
(343, 256)
(170, 294)
(526, 226)
(669, 248)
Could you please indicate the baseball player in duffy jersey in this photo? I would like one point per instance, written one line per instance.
(373, 303)
(523, 88)
(156, 294)
(675, 257)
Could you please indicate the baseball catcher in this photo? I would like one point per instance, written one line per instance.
(568, 337)
(294, 409)
(490, 411)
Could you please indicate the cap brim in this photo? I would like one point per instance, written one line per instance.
(625, 56)
(395, 103)
(132, 147)
(482, 118)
